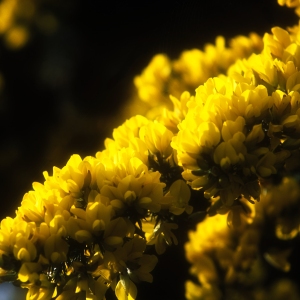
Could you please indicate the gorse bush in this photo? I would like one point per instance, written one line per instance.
(219, 145)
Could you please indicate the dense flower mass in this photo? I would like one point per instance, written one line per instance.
(242, 252)
(82, 232)
(163, 77)
(226, 154)
(82, 229)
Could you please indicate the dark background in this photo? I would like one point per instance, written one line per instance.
(64, 92)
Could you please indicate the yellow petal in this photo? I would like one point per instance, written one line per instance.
(83, 236)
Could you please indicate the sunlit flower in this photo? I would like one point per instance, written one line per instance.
(163, 77)
(32, 207)
(132, 186)
(177, 198)
(42, 289)
(171, 119)
(157, 138)
(151, 82)
(232, 135)
(128, 265)
(125, 134)
(196, 66)
(160, 234)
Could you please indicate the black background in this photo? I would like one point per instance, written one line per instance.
(64, 92)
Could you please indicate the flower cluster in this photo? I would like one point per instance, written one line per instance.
(82, 231)
(163, 77)
(216, 153)
(231, 261)
(243, 128)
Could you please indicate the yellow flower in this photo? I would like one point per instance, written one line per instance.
(177, 198)
(293, 83)
(222, 256)
(153, 79)
(86, 228)
(163, 77)
(56, 249)
(277, 42)
(7, 226)
(32, 207)
(157, 138)
(42, 289)
(29, 272)
(194, 140)
(140, 194)
(205, 291)
(232, 150)
(286, 225)
(125, 134)
(125, 289)
(24, 249)
(265, 166)
(255, 136)
(206, 232)
(127, 265)
(98, 224)
(17, 237)
(171, 119)
(98, 215)
(226, 160)
(196, 66)
(291, 4)
(189, 65)
(160, 234)
(128, 183)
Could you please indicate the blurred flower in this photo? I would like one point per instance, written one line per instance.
(292, 4)
(285, 214)
(163, 77)
(150, 83)
(17, 17)
(213, 247)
